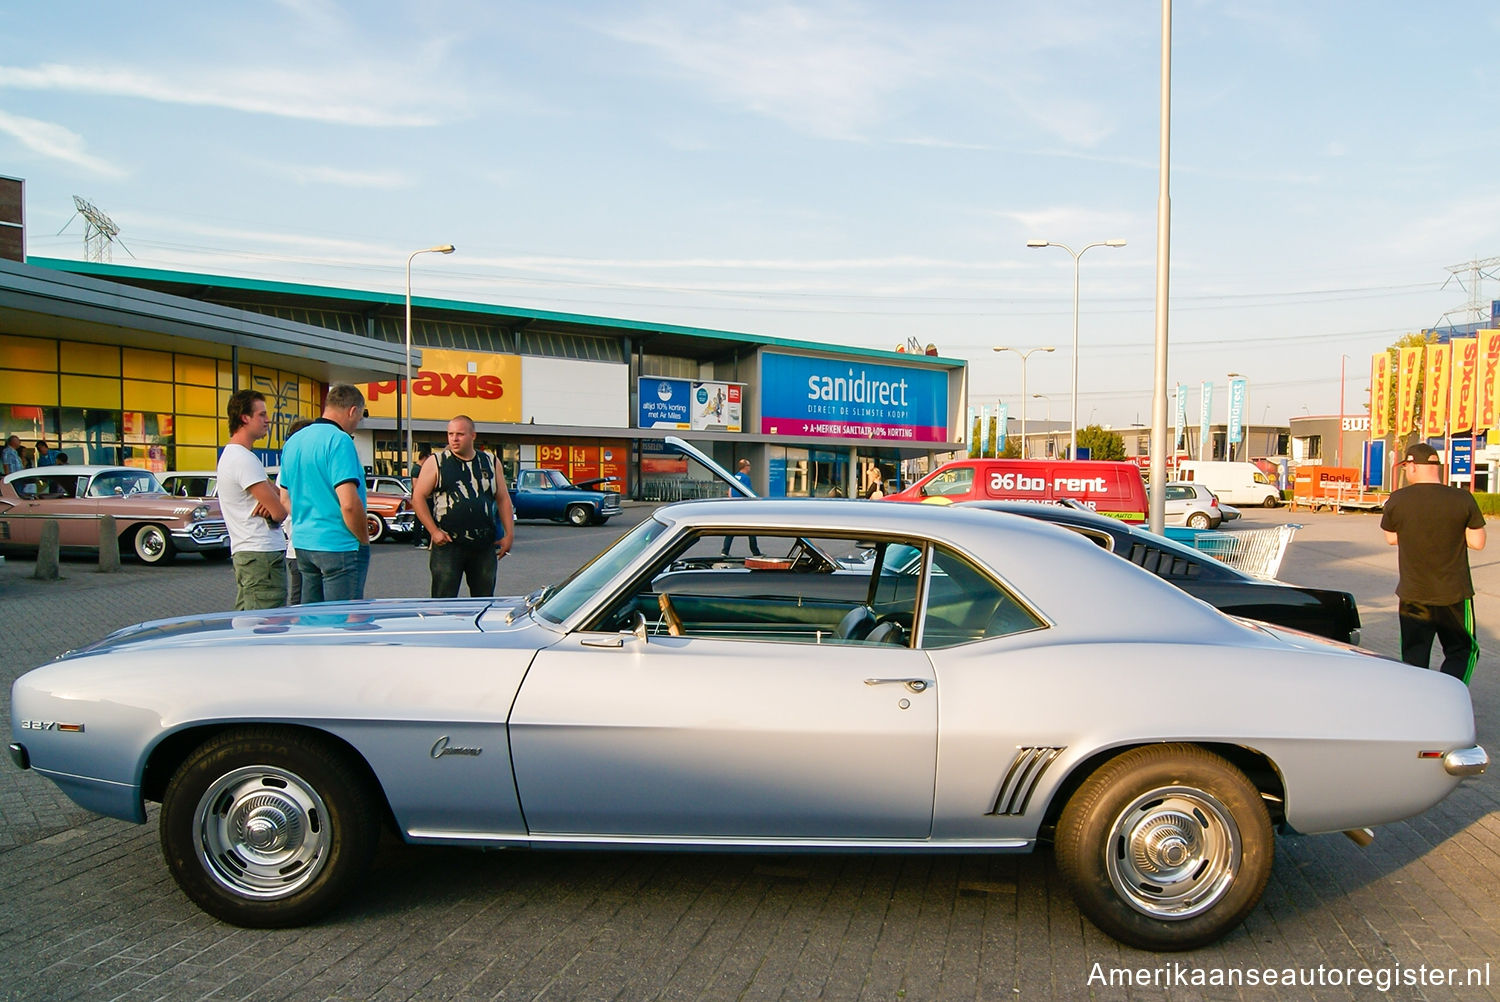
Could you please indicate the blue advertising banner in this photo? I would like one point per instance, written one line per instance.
(840, 398)
(664, 403)
(1001, 424)
(1236, 409)
(1461, 458)
(1181, 415)
(1205, 419)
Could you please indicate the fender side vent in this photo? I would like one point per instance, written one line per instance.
(1021, 779)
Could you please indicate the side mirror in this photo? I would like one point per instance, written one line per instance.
(638, 626)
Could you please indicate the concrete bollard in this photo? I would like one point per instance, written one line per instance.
(47, 562)
(109, 545)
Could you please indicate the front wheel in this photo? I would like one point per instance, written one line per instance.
(268, 827)
(1198, 521)
(374, 526)
(1270, 501)
(153, 545)
(579, 514)
(1167, 847)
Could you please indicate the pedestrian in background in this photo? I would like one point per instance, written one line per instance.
(420, 539)
(252, 508)
(742, 474)
(321, 472)
(44, 454)
(10, 458)
(471, 520)
(293, 573)
(1433, 526)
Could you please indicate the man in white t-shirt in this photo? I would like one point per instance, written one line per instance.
(252, 508)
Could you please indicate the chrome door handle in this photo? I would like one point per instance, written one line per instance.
(914, 684)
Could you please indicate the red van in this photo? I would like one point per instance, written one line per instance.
(1110, 488)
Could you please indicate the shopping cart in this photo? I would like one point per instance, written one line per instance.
(1257, 552)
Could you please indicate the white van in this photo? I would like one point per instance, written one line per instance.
(1234, 483)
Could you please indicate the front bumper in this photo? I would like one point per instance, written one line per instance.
(1470, 761)
(404, 524)
(210, 534)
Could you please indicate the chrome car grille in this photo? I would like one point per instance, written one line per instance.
(611, 502)
(209, 531)
(1021, 779)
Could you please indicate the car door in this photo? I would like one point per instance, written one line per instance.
(684, 737)
(1178, 500)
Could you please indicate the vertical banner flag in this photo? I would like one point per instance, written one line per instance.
(973, 435)
(1407, 372)
(1000, 428)
(984, 430)
(1489, 370)
(1380, 401)
(1181, 415)
(1205, 416)
(1236, 410)
(1435, 390)
(1462, 396)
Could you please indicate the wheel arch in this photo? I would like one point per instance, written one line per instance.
(1257, 767)
(167, 756)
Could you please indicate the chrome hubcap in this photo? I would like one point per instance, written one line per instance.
(261, 832)
(1173, 852)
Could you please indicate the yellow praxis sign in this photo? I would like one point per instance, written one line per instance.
(485, 387)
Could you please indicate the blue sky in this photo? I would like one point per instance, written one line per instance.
(848, 172)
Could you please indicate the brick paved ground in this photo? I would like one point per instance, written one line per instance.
(92, 914)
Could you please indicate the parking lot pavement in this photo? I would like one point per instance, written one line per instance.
(92, 913)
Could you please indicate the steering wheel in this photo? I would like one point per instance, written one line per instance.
(674, 621)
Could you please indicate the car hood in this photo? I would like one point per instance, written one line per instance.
(372, 622)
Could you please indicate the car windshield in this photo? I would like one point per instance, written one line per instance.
(116, 482)
(561, 601)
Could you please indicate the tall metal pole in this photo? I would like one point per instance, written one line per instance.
(1158, 501)
(439, 249)
(1342, 359)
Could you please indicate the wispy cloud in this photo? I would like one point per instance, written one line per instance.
(341, 177)
(52, 140)
(1058, 221)
(350, 96)
(826, 71)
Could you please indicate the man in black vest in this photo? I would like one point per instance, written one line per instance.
(1433, 527)
(470, 520)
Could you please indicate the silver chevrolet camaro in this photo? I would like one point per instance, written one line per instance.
(879, 678)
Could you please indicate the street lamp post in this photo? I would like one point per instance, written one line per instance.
(1025, 354)
(1073, 435)
(440, 249)
(1042, 396)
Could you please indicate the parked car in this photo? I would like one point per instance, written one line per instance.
(1109, 487)
(191, 483)
(1322, 611)
(389, 485)
(151, 523)
(1240, 483)
(548, 494)
(1192, 505)
(1228, 511)
(659, 699)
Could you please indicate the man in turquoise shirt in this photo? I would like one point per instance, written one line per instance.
(321, 473)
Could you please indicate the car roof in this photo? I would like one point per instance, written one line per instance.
(188, 473)
(74, 470)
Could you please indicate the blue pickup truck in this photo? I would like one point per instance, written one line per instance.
(548, 494)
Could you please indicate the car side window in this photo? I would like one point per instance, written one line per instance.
(964, 604)
(795, 589)
(1178, 493)
(950, 482)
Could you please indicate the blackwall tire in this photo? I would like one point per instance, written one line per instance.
(579, 514)
(1269, 502)
(153, 544)
(268, 827)
(1198, 521)
(1167, 847)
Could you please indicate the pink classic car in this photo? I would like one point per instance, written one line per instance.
(152, 524)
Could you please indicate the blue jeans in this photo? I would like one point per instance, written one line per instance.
(333, 575)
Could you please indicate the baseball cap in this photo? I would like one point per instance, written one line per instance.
(1421, 452)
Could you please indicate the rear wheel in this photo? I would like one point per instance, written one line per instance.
(268, 827)
(1198, 520)
(153, 545)
(375, 525)
(1167, 847)
(579, 514)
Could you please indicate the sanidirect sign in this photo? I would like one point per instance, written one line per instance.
(485, 387)
(664, 403)
(839, 398)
